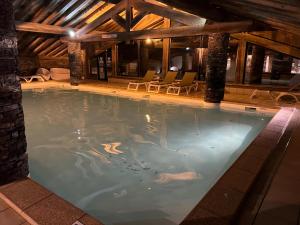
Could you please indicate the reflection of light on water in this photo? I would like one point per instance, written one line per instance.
(112, 148)
(148, 118)
(169, 177)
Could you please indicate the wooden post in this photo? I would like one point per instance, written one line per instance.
(144, 58)
(13, 156)
(216, 67)
(241, 61)
(129, 16)
(166, 49)
(115, 59)
(257, 64)
(75, 62)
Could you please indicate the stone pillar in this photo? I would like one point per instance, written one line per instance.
(216, 67)
(280, 66)
(13, 156)
(257, 64)
(75, 62)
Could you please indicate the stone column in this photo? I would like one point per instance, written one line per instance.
(13, 156)
(257, 64)
(216, 67)
(280, 66)
(75, 62)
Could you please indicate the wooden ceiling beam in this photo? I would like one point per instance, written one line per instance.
(270, 44)
(138, 18)
(199, 8)
(103, 18)
(168, 12)
(120, 21)
(183, 31)
(41, 28)
(278, 19)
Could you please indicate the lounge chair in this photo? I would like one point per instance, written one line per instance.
(187, 83)
(41, 75)
(168, 80)
(294, 83)
(145, 82)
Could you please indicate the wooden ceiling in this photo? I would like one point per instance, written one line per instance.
(86, 16)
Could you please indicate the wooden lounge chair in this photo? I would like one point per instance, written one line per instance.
(187, 84)
(168, 80)
(145, 82)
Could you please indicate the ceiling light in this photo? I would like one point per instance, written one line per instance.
(72, 33)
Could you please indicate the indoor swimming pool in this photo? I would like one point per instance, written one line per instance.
(131, 162)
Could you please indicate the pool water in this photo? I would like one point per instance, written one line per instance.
(131, 162)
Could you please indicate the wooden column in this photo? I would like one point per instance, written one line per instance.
(241, 61)
(166, 49)
(216, 67)
(75, 62)
(144, 58)
(257, 64)
(13, 156)
(114, 59)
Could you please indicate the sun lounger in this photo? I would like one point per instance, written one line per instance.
(294, 83)
(134, 85)
(168, 80)
(187, 84)
(41, 75)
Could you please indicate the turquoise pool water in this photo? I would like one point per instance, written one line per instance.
(131, 162)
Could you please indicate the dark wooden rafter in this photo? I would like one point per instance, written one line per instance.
(279, 16)
(270, 44)
(168, 12)
(120, 21)
(199, 8)
(129, 15)
(138, 18)
(228, 27)
(41, 28)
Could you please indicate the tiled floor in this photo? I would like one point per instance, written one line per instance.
(9, 217)
(281, 205)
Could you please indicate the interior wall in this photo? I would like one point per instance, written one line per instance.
(28, 65)
(53, 62)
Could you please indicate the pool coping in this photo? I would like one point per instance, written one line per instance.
(222, 202)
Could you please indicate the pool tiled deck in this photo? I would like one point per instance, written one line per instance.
(26, 202)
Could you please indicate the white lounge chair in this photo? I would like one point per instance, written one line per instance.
(294, 83)
(41, 75)
(148, 78)
(187, 84)
(168, 80)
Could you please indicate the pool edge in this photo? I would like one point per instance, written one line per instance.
(222, 202)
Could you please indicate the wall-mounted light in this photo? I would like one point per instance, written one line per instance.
(72, 33)
(148, 41)
(187, 48)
